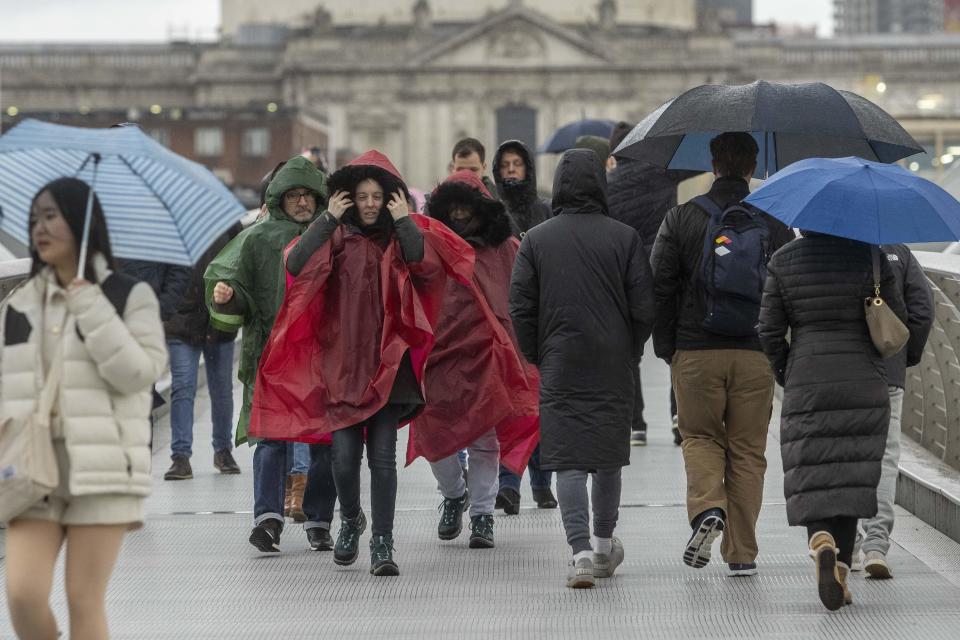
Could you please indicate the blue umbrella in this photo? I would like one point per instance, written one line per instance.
(861, 200)
(159, 206)
(566, 136)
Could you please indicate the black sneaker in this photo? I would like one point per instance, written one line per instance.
(381, 556)
(638, 438)
(544, 499)
(481, 532)
(509, 500)
(348, 540)
(319, 539)
(266, 536)
(224, 462)
(706, 528)
(451, 517)
(180, 469)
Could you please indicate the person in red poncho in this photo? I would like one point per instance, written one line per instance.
(348, 349)
(481, 394)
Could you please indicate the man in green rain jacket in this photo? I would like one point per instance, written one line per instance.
(245, 284)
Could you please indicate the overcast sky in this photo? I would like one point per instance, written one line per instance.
(156, 20)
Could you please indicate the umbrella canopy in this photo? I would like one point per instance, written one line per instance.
(566, 136)
(159, 206)
(789, 121)
(861, 200)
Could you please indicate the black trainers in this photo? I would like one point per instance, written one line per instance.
(509, 500)
(381, 556)
(451, 517)
(481, 532)
(638, 438)
(319, 539)
(543, 497)
(266, 536)
(180, 469)
(224, 462)
(348, 540)
(706, 528)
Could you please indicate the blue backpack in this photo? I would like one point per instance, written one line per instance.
(736, 250)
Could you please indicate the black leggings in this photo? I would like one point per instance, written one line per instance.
(844, 532)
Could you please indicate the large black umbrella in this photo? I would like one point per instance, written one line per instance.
(790, 122)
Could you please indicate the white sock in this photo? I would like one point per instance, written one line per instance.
(577, 557)
(602, 545)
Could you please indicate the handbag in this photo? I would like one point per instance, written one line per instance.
(28, 462)
(887, 331)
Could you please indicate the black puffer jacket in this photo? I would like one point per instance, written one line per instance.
(168, 281)
(582, 306)
(836, 406)
(523, 204)
(640, 194)
(918, 299)
(679, 291)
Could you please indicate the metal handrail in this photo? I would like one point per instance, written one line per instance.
(12, 273)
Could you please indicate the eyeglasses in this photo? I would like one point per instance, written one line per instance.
(294, 196)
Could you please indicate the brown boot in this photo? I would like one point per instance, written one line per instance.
(298, 484)
(843, 570)
(823, 548)
(287, 497)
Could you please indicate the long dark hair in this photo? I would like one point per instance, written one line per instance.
(70, 194)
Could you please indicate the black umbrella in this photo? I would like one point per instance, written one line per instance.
(790, 122)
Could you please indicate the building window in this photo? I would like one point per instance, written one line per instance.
(208, 142)
(161, 135)
(256, 142)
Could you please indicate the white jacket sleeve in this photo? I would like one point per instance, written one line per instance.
(130, 352)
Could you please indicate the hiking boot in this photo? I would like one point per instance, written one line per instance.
(829, 586)
(451, 517)
(843, 570)
(347, 549)
(875, 564)
(381, 556)
(509, 500)
(180, 469)
(543, 497)
(677, 438)
(580, 575)
(266, 536)
(741, 569)
(298, 484)
(638, 438)
(481, 532)
(604, 564)
(707, 527)
(319, 539)
(224, 462)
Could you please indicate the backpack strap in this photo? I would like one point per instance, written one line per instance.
(709, 206)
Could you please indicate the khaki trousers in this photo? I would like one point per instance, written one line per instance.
(724, 402)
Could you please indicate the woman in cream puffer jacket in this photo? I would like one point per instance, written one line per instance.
(107, 336)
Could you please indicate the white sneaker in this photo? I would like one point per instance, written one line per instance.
(857, 564)
(875, 564)
(605, 564)
(581, 574)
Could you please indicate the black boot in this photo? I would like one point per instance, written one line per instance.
(481, 532)
(381, 556)
(544, 498)
(509, 500)
(319, 539)
(348, 540)
(451, 517)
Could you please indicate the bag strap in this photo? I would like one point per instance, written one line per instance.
(709, 206)
(875, 255)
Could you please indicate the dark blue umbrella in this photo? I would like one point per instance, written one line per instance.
(861, 200)
(790, 122)
(566, 136)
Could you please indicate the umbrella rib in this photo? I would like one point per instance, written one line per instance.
(159, 198)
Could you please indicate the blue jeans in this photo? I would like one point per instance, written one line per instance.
(538, 479)
(298, 453)
(184, 367)
(269, 480)
(320, 497)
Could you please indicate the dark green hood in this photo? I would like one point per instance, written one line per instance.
(298, 172)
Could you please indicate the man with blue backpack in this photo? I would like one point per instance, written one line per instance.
(709, 265)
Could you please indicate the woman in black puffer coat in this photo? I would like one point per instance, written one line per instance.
(836, 409)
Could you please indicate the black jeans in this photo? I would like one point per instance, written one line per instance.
(844, 532)
(381, 433)
(320, 496)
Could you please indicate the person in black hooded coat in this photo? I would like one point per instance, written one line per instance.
(581, 299)
(517, 186)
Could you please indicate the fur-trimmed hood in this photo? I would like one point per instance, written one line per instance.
(464, 187)
(371, 165)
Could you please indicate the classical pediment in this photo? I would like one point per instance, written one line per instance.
(515, 37)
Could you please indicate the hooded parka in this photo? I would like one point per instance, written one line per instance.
(252, 264)
(581, 300)
(521, 198)
(836, 406)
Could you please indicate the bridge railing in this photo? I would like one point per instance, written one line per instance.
(12, 273)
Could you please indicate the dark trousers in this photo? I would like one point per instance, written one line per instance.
(269, 480)
(844, 532)
(381, 433)
(539, 479)
(320, 496)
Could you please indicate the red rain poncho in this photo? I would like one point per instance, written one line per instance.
(476, 378)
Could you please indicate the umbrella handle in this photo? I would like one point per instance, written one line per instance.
(85, 239)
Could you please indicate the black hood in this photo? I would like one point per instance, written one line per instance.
(495, 226)
(348, 177)
(524, 191)
(580, 184)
